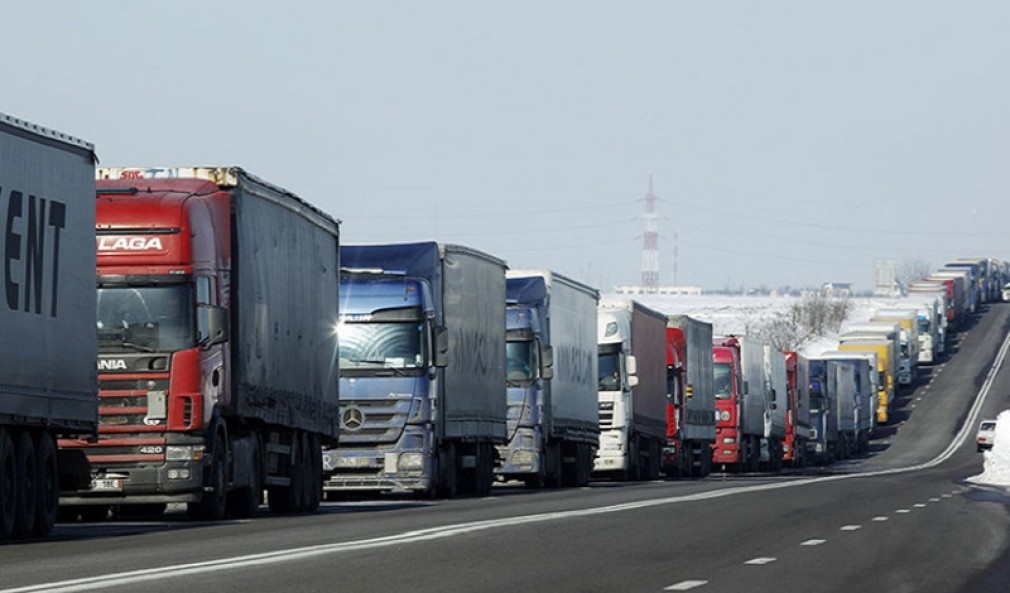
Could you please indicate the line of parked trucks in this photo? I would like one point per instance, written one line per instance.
(242, 350)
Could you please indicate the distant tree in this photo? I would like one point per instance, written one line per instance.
(911, 270)
(813, 316)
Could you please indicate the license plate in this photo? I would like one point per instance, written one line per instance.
(107, 485)
(352, 462)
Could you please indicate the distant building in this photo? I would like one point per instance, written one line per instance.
(837, 289)
(885, 282)
(663, 290)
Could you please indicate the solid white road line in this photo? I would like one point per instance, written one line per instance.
(760, 561)
(686, 585)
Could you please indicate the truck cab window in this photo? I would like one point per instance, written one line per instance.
(203, 302)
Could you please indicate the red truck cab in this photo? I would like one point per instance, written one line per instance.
(216, 298)
(160, 248)
(792, 449)
(726, 370)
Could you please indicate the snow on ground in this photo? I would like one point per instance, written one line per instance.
(735, 314)
(996, 461)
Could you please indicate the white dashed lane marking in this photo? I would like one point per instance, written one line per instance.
(813, 542)
(880, 519)
(686, 585)
(934, 500)
(851, 528)
(760, 561)
(903, 511)
(919, 505)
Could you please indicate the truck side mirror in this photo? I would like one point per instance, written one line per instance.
(217, 326)
(631, 365)
(547, 362)
(632, 381)
(440, 356)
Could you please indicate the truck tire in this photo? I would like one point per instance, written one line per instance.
(49, 485)
(26, 470)
(570, 467)
(632, 465)
(213, 505)
(587, 457)
(655, 451)
(8, 486)
(486, 462)
(446, 472)
(552, 465)
(290, 498)
(312, 456)
(245, 502)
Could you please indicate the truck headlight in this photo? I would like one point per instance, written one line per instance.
(523, 457)
(728, 440)
(184, 452)
(410, 462)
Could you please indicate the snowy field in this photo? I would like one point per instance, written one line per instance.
(735, 314)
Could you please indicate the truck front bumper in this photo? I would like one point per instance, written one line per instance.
(365, 470)
(520, 457)
(168, 482)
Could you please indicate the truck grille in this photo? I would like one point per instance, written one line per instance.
(381, 421)
(606, 419)
(123, 437)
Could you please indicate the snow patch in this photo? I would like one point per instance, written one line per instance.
(996, 461)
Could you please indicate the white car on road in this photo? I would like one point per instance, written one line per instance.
(986, 435)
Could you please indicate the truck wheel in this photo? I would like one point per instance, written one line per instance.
(312, 462)
(26, 470)
(289, 499)
(588, 459)
(446, 474)
(244, 502)
(485, 469)
(552, 465)
(652, 463)
(571, 464)
(49, 485)
(8, 486)
(632, 463)
(213, 505)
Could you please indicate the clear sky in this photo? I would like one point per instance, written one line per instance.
(791, 142)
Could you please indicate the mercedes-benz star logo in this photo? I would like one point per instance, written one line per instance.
(352, 419)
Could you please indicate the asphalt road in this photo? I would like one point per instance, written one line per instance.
(903, 519)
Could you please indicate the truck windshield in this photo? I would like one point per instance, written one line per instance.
(520, 364)
(723, 376)
(610, 371)
(146, 318)
(381, 345)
